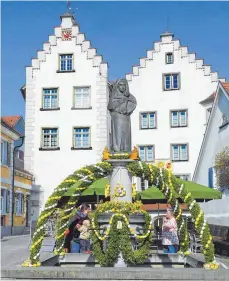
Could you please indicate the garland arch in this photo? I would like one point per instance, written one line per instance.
(161, 177)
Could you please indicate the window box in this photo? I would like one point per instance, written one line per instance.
(146, 153)
(82, 98)
(81, 148)
(65, 63)
(148, 120)
(49, 139)
(81, 138)
(169, 59)
(179, 118)
(179, 152)
(171, 81)
(49, 109)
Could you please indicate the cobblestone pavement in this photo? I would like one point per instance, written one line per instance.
(14, 250)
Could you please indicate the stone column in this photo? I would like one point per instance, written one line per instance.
(120, 175)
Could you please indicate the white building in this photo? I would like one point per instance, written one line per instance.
(215, 139)
(169, 122)
(66, 94)
(66, 98)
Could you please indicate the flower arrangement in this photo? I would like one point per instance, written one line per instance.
(119, 190)
(134, 191)
(119, 156)
(118, 234)
(122, 155)
(107, 190)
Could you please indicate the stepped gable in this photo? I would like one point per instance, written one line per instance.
(168, 38)
(77, 36)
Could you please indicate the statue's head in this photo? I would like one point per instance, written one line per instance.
(122, 86)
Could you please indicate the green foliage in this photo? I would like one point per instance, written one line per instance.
(120, 241)
(222, 168)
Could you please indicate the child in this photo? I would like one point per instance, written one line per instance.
(84, 237)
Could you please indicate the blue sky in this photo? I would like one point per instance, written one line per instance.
(121, 32)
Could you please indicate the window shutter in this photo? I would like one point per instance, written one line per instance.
(210, 177)
(8, 202)
(8, 154)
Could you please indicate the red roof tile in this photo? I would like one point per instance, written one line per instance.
(226, 87)
(11, 120)
(210, 98)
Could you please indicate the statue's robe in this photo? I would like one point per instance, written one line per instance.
(121, 107)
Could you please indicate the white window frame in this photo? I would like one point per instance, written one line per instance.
(146, 152)
(167, 58)
(82, 105)
(148, 120)
(180, 176)
(171, 81)
(66, 62)
(5, 152)
(50, 134)
(19, 203)
(50, 95)
(4, 201)
(179, 152)
(81, 138)
(179, 125)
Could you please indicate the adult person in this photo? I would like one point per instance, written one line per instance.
(75, 223)
(121, 105)
(170, 239)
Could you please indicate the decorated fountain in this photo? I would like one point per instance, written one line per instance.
(121, 230)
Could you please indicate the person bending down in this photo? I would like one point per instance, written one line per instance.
(84, 237)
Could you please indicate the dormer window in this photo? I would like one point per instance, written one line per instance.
(169, 58)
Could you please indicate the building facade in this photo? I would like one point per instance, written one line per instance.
(20, 192)
(216, 138)
(67, 123)
(66, 96)
(169, 122)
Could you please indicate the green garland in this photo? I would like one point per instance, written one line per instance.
(82, 178)
(119, 241)
(157, 176)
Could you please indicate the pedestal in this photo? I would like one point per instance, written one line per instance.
(120, 175)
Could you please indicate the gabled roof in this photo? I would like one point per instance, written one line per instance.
(11, 121)
(10, 128)
(209, 99)
(224, 86)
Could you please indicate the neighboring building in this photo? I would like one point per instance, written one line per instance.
(67, 123)
(66, 97)
(22, 186)
(216, 137)
(18, 124)
(169, 121)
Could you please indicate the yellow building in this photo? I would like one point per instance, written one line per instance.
(21, 192)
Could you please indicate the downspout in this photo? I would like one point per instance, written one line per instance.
(12, 213)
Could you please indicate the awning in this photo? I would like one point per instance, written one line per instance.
(97, 188)
(198, 191)
(152, 193)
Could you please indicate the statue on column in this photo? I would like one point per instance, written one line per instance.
(121, 105)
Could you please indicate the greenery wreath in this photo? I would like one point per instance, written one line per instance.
(119, 239)
(162, 178)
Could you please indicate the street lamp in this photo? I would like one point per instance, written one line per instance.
(14, 150)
